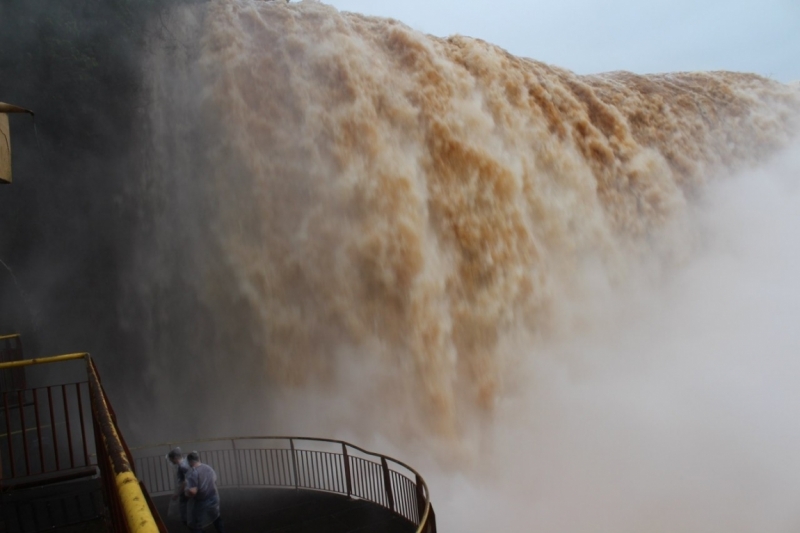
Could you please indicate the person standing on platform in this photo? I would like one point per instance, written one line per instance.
(175, 456)
(201, 489)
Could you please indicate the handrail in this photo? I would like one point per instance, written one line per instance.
(125, 494)
(10, 336)
(134, 503)
(424, 517)
(277, 437)
(44, 360)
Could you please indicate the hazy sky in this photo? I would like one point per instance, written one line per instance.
(761, 36)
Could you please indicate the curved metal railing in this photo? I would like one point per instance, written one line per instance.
(299, 463)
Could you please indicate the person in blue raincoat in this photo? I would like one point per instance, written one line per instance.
(201, 489)
(175, 456)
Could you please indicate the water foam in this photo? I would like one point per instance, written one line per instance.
(396, 222)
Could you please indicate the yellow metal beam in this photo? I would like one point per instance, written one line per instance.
(12, 336)
(5, 139)
(132, 499)
(44, 360)
(140, 519)
(11, 108)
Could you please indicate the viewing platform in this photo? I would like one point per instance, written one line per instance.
(65, 467)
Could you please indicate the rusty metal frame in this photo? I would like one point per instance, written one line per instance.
(130, 507)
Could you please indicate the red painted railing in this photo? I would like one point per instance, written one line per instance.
(62, 432)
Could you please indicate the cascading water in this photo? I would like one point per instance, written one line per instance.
(399, 225)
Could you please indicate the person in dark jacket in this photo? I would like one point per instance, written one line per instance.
(175, 456)
(201, 489)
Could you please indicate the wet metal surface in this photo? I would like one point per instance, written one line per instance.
(297, 511)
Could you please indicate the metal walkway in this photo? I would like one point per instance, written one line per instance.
(65, 467)
(296, 511)
(312, 484)
(64, 507)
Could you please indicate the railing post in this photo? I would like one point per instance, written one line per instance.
(294, 464)
(9, 436)
(21, 404)
(420, 499)
(83, 426)
(431, 521)
(53, 426)
(68, 425)
(347, 477)
(40, 444)
(387, 483)
(239, 467)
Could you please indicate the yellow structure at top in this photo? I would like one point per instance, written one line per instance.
(5, 139)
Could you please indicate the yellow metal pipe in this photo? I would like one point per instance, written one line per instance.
(140, 519)
(423, 523)
(44, 360)
(12, 336)
(132, 499)
(11, 108)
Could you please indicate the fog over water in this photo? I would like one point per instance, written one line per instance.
(673, 409)
(570, 301)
